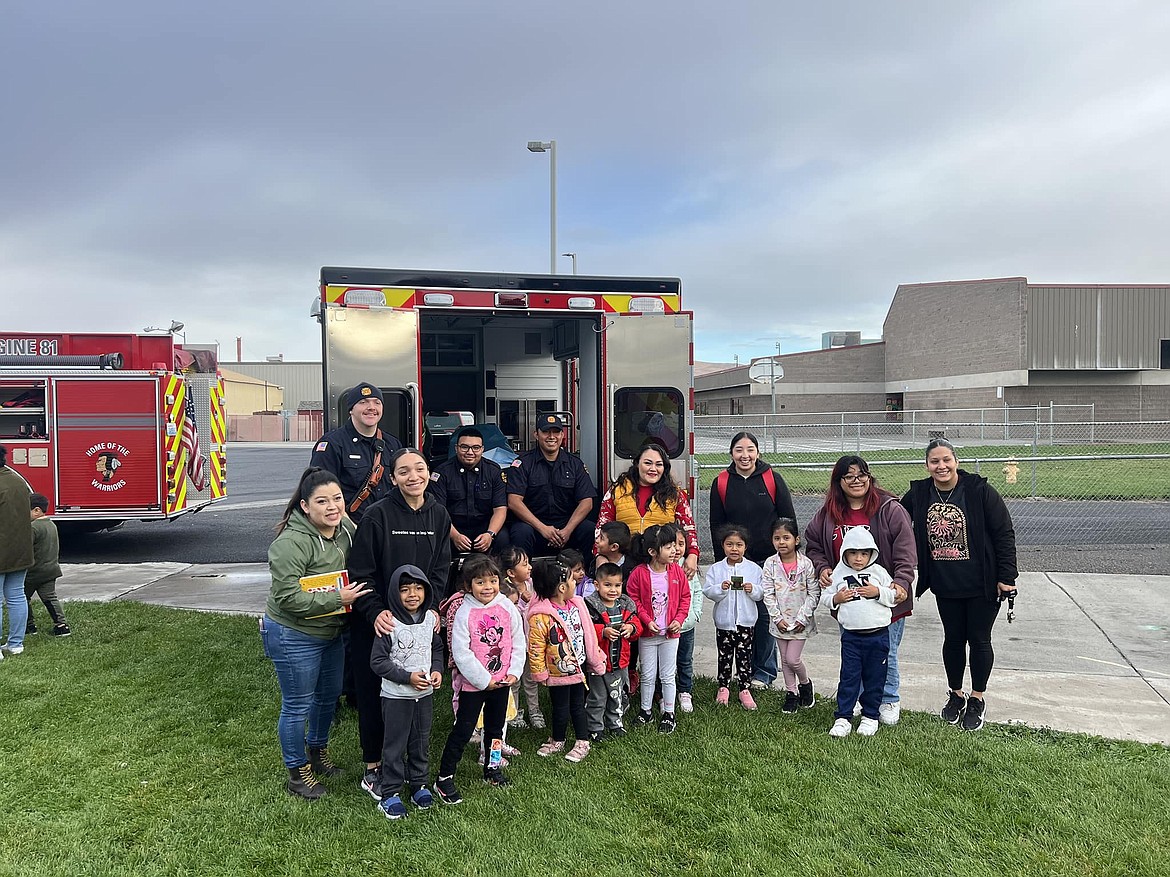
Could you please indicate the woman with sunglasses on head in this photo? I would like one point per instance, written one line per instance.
(752, 494)
(855, 499)
(967, 557)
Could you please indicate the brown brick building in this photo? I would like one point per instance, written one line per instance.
(982, 344)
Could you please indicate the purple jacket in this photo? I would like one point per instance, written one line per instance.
(892, 530)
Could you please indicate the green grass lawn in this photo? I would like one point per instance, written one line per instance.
(808, 472)
(146, 744)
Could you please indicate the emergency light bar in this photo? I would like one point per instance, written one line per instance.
(645, 304)
(371, 298)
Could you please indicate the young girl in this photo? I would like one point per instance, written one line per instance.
(562, 644)
(662, 595)
(791, 593)
(686, 640)
(733, 585)
(487, 643)
(518, 571)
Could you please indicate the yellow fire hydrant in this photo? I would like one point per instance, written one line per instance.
(1011, 471)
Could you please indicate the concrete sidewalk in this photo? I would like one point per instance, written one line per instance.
(1087, 653)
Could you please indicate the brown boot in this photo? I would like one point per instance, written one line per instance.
(321, 763)
(302, 782)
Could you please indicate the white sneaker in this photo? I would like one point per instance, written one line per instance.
(685, 703)
(841, 728)
(12, 650)
(867, 727)
(856, 710)
(889, 713)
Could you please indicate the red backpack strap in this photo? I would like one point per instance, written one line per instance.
(769, 483)
(721, 486)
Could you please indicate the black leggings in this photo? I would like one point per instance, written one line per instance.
(569, 701)
(967, 620)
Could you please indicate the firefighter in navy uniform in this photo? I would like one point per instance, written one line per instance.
(550, 495)
(471, 488)
(357, 452)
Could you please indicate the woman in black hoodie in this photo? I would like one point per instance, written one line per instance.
(405, 527)
(752, 494)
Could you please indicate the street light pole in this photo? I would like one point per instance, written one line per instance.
(550, 146)
(572, 256)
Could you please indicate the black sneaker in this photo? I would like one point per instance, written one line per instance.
(973, 714)
(30, 628)
(666, 724)
(372, 783)
(952, 711)
(644, 717)
(494, 776)
(616, 733)
(805, 693)
(445, 789)
(791, 702)
(61, 629)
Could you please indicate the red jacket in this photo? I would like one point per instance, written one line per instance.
(678, 596)
(597, 613)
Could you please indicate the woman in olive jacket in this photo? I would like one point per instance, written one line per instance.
(301, 630)
(16, 552)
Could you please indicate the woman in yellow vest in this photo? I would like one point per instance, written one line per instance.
(645, 495)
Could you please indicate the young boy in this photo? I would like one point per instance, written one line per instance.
(410, 660)
(613, 542)
(575, 561)
(860, 596)
(42, 576)
(616, 620)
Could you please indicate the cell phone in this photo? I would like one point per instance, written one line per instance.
(737, 583)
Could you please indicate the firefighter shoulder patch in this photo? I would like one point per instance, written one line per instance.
(516, 464)
(322, 446)
(435, 476)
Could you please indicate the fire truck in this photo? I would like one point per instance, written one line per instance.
(613, 355)
(113, 427)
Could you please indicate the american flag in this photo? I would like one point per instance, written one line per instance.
(190, 442)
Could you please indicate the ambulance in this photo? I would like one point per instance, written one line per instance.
(613, 355)
(113, 427)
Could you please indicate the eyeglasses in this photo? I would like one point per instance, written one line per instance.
(469, 447)
(855, 479)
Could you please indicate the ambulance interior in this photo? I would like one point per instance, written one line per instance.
(508, 370)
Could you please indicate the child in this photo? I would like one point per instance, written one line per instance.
(862, 596)
(616, 621)
(518, 571)
(686, 641)
(734, 586)
(613, 543)
(46, 569)
(410, 661)
(488, 646)
(662, 596)
(562, 645)
(791, 593)
(574, 561)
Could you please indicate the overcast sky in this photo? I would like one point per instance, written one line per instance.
(791, 162)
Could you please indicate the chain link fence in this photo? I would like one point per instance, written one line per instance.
(1067, 478)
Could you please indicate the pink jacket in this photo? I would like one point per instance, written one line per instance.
(678, 596)
(551, 658)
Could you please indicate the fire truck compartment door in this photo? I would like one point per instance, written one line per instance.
(380, 346)
(648, 379)
(107, 442)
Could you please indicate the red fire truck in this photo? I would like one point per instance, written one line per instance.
(615, 355)
(113, 427)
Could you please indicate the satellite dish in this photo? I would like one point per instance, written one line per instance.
(766, 371)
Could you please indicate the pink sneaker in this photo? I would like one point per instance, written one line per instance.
(746, 700)
(550, 747)
(722, 696)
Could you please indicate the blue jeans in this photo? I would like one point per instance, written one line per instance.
(309, 671)
(17, 605)
(863, 662)
(893, 679)
(764, 666)
(685, 665)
